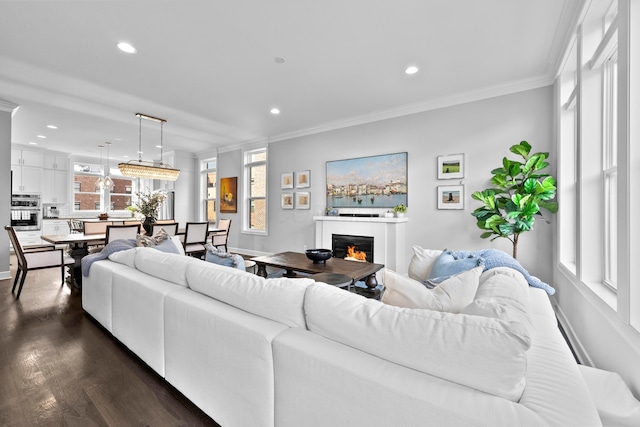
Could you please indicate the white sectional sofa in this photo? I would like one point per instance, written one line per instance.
(284, 352)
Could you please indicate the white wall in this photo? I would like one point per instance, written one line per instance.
(482, 130)
(5, 184)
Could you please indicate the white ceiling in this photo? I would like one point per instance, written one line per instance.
(208, 67)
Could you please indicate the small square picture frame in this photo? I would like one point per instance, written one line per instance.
(303, 200)
(286, 180)
(451, 197)
(451, 166)
(302, 179)
(286, 201)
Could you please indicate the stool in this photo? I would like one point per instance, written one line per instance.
(248, 264)
(335, 279)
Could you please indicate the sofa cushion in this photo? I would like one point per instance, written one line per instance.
(503, 293)
(421, 262)
(127, 257)
(484, 353)
(451, 295)
(167, 266)
(276, 299)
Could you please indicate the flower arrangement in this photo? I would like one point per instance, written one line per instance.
(147, 204)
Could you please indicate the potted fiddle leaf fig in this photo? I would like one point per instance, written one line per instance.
(518, 194)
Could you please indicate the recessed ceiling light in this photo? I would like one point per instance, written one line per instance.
(411, 70)
(126, 47)
(52, 126)
(158, 146)
(275, 111)
(279, 60)
(33, 143)
(41, 136)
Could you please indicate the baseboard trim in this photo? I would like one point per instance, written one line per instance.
(5, 275)
(575, 343)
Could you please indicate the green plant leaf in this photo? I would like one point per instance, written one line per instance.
(486, 235)
(530, 186)
(521, 149)
(550, 206)
(530, 208)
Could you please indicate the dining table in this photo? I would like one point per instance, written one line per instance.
(78, 248)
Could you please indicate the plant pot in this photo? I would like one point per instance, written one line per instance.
(399, 214)
(148, 222)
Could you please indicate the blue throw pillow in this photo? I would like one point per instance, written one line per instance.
(226, 261)
(447, 265)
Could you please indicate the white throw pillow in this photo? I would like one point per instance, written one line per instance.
(170, 267)
(127, 257)
(176, 241)
(421, 262)
(451, 295)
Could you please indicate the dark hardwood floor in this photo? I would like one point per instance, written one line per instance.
(60, 367)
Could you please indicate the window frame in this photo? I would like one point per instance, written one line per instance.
(249, 199)
(206, 168)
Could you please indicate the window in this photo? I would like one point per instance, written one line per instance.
(120, 194)
(86, 197)
(210, 178)
(610, 170)
(255, 178)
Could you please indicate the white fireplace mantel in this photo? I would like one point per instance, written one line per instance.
(389, 236)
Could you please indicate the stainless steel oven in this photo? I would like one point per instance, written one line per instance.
(26, 212)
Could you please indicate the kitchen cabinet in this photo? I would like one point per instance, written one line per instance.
(55, 226)
(26, 179)
(27, 171)
(55, 186)
(27, 158)
(52, 161)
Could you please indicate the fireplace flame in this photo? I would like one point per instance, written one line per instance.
(356, 255)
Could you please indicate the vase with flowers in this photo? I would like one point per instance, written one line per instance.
(147, 205)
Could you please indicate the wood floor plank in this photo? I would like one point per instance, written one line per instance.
(60, 367)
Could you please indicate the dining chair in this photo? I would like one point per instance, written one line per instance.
(195, 237)
(115, 232)
(165, 221)
(220, 238)
(132, 222)
(170, 228)
(95, 227)
(35, 258)
(75, 226)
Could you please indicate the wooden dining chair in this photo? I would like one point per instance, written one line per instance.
(170, 228)
(95, 227)
(220, 238)
(165, 221)
(195, 237)
(115, 232)
(36, 258)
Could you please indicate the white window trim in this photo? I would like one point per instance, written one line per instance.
(247, 191)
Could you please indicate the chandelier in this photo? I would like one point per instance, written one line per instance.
(146, 169)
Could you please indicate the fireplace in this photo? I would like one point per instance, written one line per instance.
(352, 247)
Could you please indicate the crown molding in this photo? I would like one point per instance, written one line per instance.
(7, 106)
(449, 101)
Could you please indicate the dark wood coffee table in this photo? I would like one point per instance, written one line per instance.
(294, 262)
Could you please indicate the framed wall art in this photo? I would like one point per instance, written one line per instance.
(302, 179)
(367, 182)
(303, 200)
(286, 180)
(451, 166)
(229, 195)
(286, 201)
(451, 197)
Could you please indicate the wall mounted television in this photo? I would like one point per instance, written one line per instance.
(367, 182)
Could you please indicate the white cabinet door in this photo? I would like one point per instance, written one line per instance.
(55, 226)
(26, 179)
(31, 179)
(16, 157)
(54, 186)
(52, 161)
(32, 158)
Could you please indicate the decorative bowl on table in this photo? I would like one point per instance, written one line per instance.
(319, 256)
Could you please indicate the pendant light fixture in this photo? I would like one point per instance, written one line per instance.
(108, 182)
(100, 181)
(146, 169)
